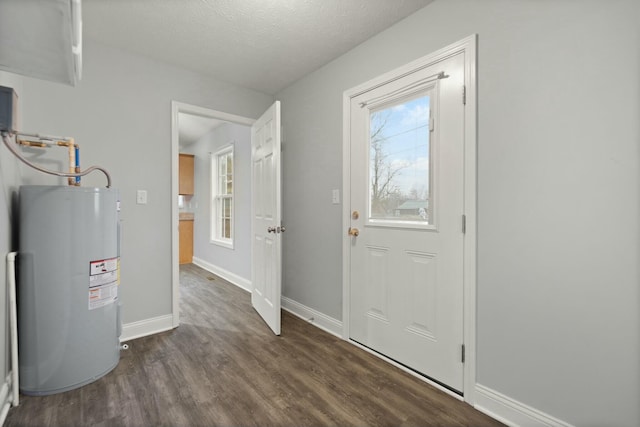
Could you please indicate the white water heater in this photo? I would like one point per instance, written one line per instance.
(68, 278)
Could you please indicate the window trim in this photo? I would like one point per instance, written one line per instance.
(215, 197)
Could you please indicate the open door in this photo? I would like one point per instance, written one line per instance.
(266, 225)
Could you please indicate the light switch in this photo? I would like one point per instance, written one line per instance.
(335, 197)
(141, 197)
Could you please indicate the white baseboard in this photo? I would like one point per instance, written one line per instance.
(321, 320)
(146, 327)
(6, 398)
(230, 277)
(511, 412)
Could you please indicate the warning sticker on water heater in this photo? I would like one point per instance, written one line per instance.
(104, 277)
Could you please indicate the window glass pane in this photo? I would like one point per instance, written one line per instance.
(217, 218)
(230, 173)
(222, 171)
(227, 228)
(221, 227)
(227, 208)
(399, 163)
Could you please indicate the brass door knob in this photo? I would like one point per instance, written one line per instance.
(353, 232)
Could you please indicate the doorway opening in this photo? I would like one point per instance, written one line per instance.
(202, 134)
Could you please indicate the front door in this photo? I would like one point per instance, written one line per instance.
(406, 235)
(266, 225)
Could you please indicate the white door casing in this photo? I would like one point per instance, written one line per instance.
(266, 223)
(409, 290)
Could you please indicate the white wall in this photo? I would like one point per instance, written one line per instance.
(120, 114)
(559, 206)
(237, 260)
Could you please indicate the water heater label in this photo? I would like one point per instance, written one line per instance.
(103, 282)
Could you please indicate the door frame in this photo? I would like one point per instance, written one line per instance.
(176, 108)
(467, 47)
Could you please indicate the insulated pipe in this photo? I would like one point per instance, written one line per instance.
(13, 325)
(7, 142)
(43, 137)
(72, 162)
(77, 148)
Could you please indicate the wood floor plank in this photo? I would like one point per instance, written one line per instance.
(224, 367)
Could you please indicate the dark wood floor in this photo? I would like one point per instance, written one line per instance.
(224, 367)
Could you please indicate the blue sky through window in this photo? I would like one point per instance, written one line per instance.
(406, 145)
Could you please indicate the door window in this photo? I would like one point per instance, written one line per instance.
(400, 162)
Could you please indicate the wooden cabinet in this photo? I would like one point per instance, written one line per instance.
(185, 230)
(185, 187)
(185, 174)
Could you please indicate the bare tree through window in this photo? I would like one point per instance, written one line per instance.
(399, 158)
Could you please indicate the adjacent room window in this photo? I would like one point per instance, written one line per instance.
(222, 197)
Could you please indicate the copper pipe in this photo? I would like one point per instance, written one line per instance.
(32, 143)
(72, 161)
(72, 157)
(6, 139)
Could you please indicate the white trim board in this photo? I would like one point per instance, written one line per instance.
(468, 47)
(230, 277)
(176, 108)
(143, 328)
(511, 412)
(6, 397)
(314, 317)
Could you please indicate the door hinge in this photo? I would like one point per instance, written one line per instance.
(431, 124)
(464, 95)
(464, 224)
(463, 355)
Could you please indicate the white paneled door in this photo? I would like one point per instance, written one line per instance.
(406, 207)
(266, 227)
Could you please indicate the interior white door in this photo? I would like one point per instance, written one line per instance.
(266, 225)
(407, 193)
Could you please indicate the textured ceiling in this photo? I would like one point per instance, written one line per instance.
(260, 44)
